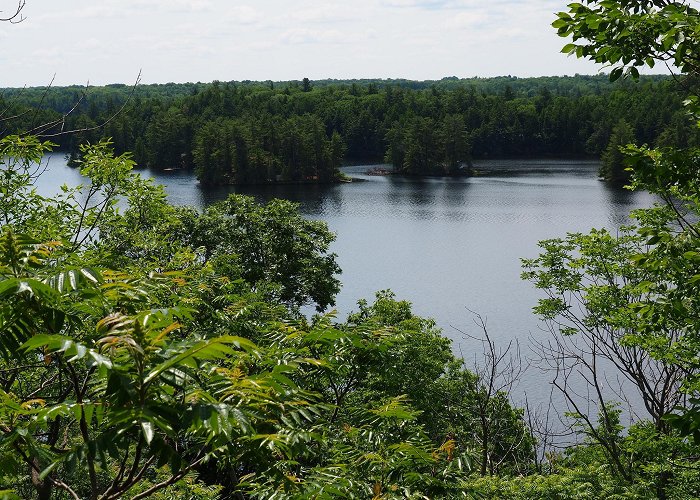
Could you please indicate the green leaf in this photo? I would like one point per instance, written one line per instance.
(39, 341)
(8, 287)
(48, 470)
(88, 410)
(615, 74)
(216, 348)
(99, 412)
(77, 411)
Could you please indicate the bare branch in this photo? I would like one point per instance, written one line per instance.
(17, 16)
(44, 134)
(497, 371)
(57, 127)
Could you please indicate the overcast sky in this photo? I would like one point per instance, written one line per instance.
(109, 41)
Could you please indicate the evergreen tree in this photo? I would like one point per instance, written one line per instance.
(612, 167)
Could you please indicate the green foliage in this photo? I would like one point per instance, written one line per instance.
(277, 250)
(132, 383)
(628, 34)
(422, 146)
(266, 150)
(581, 482)
(249, 133)
(480, 418)
(457, 407)
(190, 371)
(272, 248)
(612, 159)
(19, 159)
(630, 300)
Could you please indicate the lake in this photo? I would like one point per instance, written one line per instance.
(450, 246)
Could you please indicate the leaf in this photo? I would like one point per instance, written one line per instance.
(171, 327)
(99, 412)
(8, 287)
(216, 348)
(615, 74)
(77, 411)
(88, 410)
(38, 341)
(91, 275)
(44, 474)
(147, 431)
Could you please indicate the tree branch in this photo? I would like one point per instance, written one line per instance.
(17, 17)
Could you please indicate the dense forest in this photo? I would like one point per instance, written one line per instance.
(251, 132)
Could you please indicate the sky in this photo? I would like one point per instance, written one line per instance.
(111, 41)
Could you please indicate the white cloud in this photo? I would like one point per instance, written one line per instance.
(132, 9)
(453, 4)
(312, 36)
(188, 5)
(169, 6)
(422, 4)
(326, 13)
(188, 40)
(87, 13)
(468, 20)
(244, 14)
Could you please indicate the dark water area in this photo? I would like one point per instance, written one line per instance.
(448, 245)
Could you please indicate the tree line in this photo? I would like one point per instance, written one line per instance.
(253, 132)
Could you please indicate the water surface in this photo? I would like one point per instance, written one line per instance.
(450, 246)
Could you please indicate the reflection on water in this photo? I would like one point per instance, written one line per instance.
(447, 245)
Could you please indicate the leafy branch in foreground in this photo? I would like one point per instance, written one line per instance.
(129, 397)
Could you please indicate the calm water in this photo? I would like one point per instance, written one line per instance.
(447, 245)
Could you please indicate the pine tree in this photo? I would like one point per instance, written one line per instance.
(613, 168)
